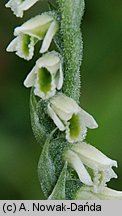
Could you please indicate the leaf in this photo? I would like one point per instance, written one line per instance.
(72, 186)
(46, 170)
(59, 190)
(51, 163)
(40, 121)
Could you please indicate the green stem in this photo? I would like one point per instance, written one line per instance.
(71, 15)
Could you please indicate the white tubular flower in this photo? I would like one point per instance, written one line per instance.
(46, 76)
(42, 27)
(19, 6)
(87, 193)
(97, 164)
(67, 115)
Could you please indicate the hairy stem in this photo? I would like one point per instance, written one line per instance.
(71, 15)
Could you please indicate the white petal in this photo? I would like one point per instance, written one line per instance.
(92, 157)
(55, 118)
(33, 23)
(88, 120)
(30, 79)
(78, 166)
(87, 193)
(13, 45)
(53, 69)
(9, 3)
(64, 106)
(98, 162)
(109, 194)
(42, 95)
(50, 60)
(49, 36)
(60, 78)
(106, 176)
(25, 5)
(15, 7)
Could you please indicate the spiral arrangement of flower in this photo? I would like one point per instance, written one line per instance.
(68, 168)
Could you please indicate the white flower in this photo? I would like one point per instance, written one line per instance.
(87, 193)
(46, 76)
(19, 6)
(67, 115)
(75, 162)
(42, 27)
(98, 165)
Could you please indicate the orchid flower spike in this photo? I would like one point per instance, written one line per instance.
(67, 115)
(87, 193)
(46, 76)
(98, 165)
(19, 6)
(42, 27)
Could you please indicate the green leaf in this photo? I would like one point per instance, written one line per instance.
(51, 163)
(72, 186)
(59, 190)
(46, 170)
(40, 121)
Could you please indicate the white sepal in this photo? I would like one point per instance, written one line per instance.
(77, 164)
(55, 118)
(49, 36)
(33, 26)
(99, 163)
(19, 6)
(87, 193)
(41, 27)
(88, 120)
(30, 79)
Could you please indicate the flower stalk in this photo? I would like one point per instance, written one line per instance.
(72, 12)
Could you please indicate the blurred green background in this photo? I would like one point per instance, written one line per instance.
(101, 95)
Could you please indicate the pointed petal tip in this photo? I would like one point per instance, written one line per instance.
(95, 125)
(7, 5)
